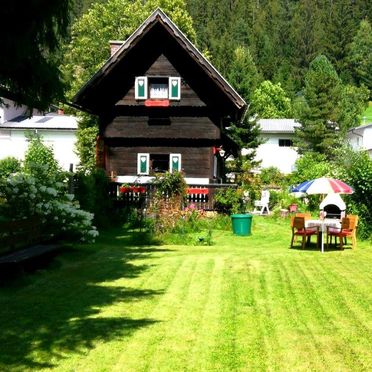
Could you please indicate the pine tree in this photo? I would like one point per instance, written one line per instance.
(318, 130)
(360, 55)
(243, 74)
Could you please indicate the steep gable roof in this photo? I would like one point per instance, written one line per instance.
(157, 35)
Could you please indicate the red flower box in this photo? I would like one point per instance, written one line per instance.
(134, 189)
(197, 191)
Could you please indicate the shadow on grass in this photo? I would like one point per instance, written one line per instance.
(61, 309)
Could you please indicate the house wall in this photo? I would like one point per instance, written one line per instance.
(174, 127)
(13, 142)
(162, 67)
(272, 155)
(196, 162)
(361, 138)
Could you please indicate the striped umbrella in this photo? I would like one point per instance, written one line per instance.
(323, 185)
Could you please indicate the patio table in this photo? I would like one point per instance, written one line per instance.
(323, 224)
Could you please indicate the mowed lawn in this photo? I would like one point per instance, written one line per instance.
(243, 304)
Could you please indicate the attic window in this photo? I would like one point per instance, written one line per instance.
(158, 88)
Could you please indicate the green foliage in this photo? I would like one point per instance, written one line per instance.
(86, 147)
(282, 36)
(229, 200)
(170, 184)
(8, 166)
(356, 170)
(351, 106)
(270, 101)
(33, 194)
(243, 74)
(39, 159)
(271, 176)
(318, 117)
(30, 39)
(92, 192)
(360, 56)
(309, 166)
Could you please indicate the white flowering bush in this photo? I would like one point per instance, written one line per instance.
(26, 195)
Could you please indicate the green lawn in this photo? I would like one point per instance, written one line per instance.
(245, 303)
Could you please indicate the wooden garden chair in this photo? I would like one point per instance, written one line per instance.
(299, 229)
(348, 229)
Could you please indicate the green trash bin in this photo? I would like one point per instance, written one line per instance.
(241, 224)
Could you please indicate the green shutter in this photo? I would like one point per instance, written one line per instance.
(175, 162)
(143, 163)
(141, 87)
(174, 88)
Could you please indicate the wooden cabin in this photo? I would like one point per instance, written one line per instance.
(162, 107)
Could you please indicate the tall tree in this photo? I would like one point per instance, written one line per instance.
(318, 130)
(30, 36)
(360, 55)
(243, 74)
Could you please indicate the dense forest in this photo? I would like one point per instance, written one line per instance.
(283, 36)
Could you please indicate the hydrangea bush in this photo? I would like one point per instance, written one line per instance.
(39, 189)
(27, 196)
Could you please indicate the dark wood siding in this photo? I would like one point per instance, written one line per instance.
(162, 67)
(196, 161)
(173, 127)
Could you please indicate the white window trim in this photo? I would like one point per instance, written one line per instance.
(171, 162)
(136, 87)
(171, 78)
(139, 155)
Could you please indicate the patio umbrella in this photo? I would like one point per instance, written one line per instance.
(323, 185)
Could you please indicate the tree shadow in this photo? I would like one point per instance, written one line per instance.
(60, 309)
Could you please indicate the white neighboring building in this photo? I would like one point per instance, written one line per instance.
(57, 131)
(360, 138)
(278, 150)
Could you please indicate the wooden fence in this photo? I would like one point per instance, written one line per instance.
(200, 196)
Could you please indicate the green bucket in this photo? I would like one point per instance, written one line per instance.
(241, 224)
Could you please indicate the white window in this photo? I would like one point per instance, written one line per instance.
(158, 87)
(143, 163)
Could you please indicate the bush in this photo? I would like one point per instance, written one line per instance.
(27, 196)
(271, 176)
(229, 200)
(170, 184)
(92, 192)
(8, 166)
(39, 154)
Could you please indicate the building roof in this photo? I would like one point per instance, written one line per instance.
(278, 125)
(50, 122)
(117, 73)
(361, 128)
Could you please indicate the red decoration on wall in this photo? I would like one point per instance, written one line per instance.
(157, 103)
(128, 189)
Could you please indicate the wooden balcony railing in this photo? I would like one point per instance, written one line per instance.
(200, 196)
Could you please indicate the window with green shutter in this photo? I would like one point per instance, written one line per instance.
(143, 163)
(174, 88)
(175, 162)
(140, 87)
